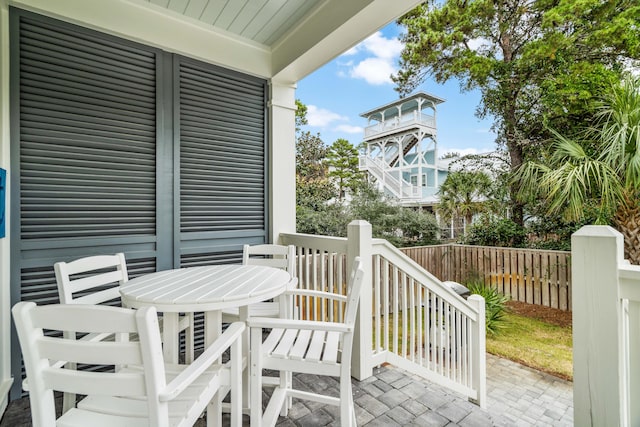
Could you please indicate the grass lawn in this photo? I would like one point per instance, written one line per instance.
(535, 343)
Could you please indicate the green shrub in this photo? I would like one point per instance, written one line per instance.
(490, 230)
(495, 306)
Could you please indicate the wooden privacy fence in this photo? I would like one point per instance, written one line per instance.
(528, 275)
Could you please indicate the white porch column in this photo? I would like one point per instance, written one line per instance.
(596, 253)
(5, 288)
(282, 163)
(359, 244)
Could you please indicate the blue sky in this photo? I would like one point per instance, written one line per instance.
(358, 81)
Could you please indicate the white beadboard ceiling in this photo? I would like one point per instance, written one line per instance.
(261, 21)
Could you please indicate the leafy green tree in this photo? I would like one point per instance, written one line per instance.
(310, 154)
(342, 159)
(313, 188)
(534, 61)
(412, 227)
(373, 206)
(399, 225)
(496, 166)
(301, 116)
(464, 194)
(602, 169)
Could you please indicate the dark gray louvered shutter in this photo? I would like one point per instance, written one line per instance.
(222, 163)
(87, 135)
(84, 150)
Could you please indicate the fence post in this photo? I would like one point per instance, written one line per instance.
(596, 253)
(479, 351)
(359, 243)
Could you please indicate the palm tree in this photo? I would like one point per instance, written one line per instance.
(464, 194)
(602, 169)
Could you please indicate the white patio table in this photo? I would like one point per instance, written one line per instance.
(209, 289)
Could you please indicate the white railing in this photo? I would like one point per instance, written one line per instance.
(606, 330)
(423, 326)
(407, 317)
(398, 187)
(399, 122)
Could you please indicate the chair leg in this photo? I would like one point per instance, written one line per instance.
(256, 378)
(347, 412)
(236, 384)
(286, 379)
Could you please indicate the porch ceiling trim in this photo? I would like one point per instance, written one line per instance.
(325, 32)
(160, 28)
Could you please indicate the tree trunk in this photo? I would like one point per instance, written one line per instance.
(627, 221)
(516, 157)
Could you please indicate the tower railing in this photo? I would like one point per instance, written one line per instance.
(399, 122)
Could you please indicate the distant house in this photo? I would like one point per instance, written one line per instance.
(400, 151)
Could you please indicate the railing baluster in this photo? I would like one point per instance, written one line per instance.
(323, 286)
(412, 322)
(385, 290)
(376, 302)
(465, 353)
(403, 279)
(421, 310)
(396, 310)
(308, 283)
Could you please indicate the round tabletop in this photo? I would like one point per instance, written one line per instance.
(205, 288)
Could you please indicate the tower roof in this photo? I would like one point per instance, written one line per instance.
(407, 102)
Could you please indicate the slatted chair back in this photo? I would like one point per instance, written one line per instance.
(91, 273)
(277, 256)
(41, 351)
(144, 393)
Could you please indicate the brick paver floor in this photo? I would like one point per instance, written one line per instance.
(517, 396)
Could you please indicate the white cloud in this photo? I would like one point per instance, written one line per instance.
(375, 71)
(349, 129)
(320, 117)
(380, 61)
(382, 47)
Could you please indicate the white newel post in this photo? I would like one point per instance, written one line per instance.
(479, 351)
(596, 254)
(359, 244)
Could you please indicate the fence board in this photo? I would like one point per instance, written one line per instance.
(500, 271)
(528, 275)
(537, 290)
(513, 285)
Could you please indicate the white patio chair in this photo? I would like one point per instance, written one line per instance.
(305, 346)
(96, 280)
(276, 256)
(149, 394)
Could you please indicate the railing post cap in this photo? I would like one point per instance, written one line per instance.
(476, 297)
(359, 222)
(597, 231)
